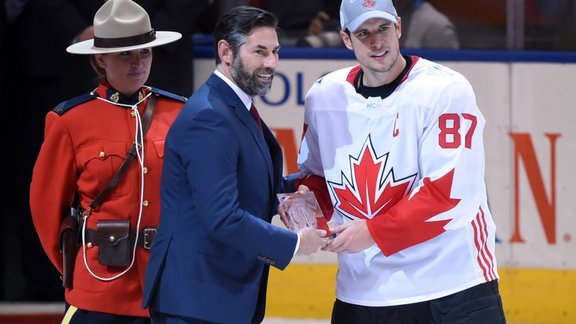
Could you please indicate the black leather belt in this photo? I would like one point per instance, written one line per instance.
(145, 238)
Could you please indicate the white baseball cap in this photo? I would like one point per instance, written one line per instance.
(354, 13)
(122, 25)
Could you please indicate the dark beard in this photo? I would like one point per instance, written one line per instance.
(248, 82)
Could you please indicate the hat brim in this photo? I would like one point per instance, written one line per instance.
(356, 22)
(87, 46)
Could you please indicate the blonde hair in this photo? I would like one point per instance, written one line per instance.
(100, 71)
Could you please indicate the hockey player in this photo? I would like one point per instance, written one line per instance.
(394, 146)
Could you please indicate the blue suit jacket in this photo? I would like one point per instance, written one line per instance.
(211, 255)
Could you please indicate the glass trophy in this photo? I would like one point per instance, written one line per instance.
(302, 210)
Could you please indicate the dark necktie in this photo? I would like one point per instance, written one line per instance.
(257, 118)
(256, 3)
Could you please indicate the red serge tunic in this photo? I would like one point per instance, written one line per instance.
(86, 140)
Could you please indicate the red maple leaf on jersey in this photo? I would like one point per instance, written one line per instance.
(371, 189)
(398, 221)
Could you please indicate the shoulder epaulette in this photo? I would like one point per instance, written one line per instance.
(64, 106)
(169, 95)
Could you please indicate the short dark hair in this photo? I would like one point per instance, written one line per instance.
(237, 23)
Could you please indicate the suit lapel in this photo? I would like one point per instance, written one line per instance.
(276, 157)
(243, 115)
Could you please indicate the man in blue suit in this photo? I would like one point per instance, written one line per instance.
(210, 258)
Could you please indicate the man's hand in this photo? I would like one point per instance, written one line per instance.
(351, 237)
(311, 240)
(302, 189)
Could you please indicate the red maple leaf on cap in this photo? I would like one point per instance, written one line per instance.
(368, 3)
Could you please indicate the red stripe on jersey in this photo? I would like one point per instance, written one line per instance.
(484, 258)
(414, 60)
(353, 73)
(488, 255)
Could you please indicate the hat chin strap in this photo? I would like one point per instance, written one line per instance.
(125, 41)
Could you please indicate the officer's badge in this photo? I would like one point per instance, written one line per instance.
(115, 97)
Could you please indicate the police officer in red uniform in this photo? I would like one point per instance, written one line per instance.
(86, 140)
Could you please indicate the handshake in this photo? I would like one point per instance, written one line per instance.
(301, 213)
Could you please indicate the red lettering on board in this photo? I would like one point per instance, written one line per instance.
(546, 205)
(285, 137)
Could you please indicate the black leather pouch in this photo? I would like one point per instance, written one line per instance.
(114, 242)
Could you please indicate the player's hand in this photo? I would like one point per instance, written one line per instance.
(311, 240)
(350, 237)
(302, 189)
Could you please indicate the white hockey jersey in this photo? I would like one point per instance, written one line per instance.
(412, 165)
